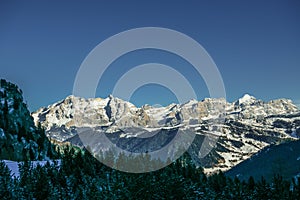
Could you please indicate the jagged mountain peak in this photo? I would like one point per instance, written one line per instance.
(247, 98)
(104, 111)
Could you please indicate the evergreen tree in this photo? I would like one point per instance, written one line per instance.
(6, 183)
(81, 176)
(26, 181)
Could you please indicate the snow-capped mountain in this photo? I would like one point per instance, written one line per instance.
(114, 112)
(243, 127)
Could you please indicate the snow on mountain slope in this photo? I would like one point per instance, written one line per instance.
(248, 126)
(115, 113)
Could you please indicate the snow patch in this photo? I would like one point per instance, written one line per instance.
(2, 134)
(14, 168)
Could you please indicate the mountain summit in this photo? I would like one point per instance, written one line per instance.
(246, 99)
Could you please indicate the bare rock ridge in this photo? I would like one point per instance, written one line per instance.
(249, 124)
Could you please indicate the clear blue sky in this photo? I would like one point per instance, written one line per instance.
(255, 44)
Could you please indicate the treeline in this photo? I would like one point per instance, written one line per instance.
(81, 176)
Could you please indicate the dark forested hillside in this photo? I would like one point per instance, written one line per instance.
(19, 138)
(283, 159)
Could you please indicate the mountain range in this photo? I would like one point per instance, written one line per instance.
(239, 129)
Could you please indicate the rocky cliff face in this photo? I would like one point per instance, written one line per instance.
(244, 127)
(116, 113)
(19, 138)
